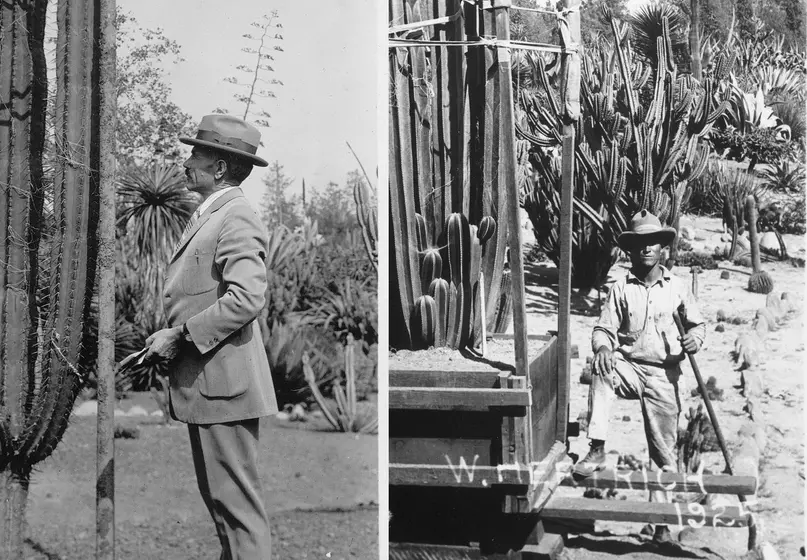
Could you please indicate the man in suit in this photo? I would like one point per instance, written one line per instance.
(220, 383)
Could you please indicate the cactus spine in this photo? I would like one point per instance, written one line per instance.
(42, 326)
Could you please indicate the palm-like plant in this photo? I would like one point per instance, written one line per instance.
(647, 27)
(154, 207)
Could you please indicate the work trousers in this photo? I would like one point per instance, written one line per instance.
(225, 459)
(656, 388)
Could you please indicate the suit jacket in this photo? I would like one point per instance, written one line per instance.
(216, 284)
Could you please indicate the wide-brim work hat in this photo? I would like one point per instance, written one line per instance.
(646, 229)
(228, 134)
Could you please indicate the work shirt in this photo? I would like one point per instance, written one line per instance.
(637, 320)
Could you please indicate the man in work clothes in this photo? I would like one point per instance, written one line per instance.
(220, 383)
(638, 350)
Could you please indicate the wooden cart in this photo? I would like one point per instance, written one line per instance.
(478, 445)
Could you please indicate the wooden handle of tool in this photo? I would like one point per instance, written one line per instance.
(706, 400)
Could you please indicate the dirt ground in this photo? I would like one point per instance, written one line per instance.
(781, 484)
(320, 489)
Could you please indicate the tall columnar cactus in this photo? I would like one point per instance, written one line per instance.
(630, 156)
(760, 281)
(446, 192)
(42, 325)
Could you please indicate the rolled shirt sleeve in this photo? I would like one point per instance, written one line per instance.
(605, 331)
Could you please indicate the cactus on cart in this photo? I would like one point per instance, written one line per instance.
(448, 313)
(445, 161)
(48, 251)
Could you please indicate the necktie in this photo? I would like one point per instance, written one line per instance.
(188, 228)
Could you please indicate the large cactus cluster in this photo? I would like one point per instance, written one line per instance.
(445, 182)
(629, 156)
(49, 245)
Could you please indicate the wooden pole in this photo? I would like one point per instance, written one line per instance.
(482, 307)
(570, 38)
(105, 482)
(507, 180)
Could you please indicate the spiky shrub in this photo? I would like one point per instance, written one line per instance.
(628, 156)
(345, 416)
(444, 180)
(760, 281)
(45, 304)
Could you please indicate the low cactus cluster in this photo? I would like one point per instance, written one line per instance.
(448, 313)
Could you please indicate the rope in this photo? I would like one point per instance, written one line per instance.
(484, 42)
(399, 42)
(425, 23)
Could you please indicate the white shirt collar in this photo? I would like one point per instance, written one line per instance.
(212, 198)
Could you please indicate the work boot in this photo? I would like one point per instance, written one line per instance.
(662, 536)
(594, 461)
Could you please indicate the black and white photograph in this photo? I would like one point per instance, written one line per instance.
(189, 279)
(596, 279)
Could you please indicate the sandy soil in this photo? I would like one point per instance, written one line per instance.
(320, 489)
(781, 484)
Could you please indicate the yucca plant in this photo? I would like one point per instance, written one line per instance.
(43, 329)
(345, 416)
(628, 156)
(351, 310)
(784, 176)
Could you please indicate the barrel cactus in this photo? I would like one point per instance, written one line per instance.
(48, 251)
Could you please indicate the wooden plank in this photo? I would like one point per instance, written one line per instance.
(674, 482)
(419, 551)
(446, 423)
(447, 398)
(573, 349)
(448, 379)
(438, 451)
(460, 474)
(693, 515)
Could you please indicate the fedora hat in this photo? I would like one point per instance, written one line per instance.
(228, 134)
(647, 229)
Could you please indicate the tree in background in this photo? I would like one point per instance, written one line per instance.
(149, 123)
(255, 85)
(333, 208)
(593, 24)
(278, 207)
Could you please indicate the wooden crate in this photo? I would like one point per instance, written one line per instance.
(458, 420)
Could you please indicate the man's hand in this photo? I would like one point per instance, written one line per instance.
(604, 361)
(689, 343)
(163, 346)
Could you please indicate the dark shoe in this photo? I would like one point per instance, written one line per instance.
(594, 461)
(663, 537)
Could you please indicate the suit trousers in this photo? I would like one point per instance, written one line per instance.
(225, 460)
(656, 388)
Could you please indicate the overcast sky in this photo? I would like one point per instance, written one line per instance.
(328, 70)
